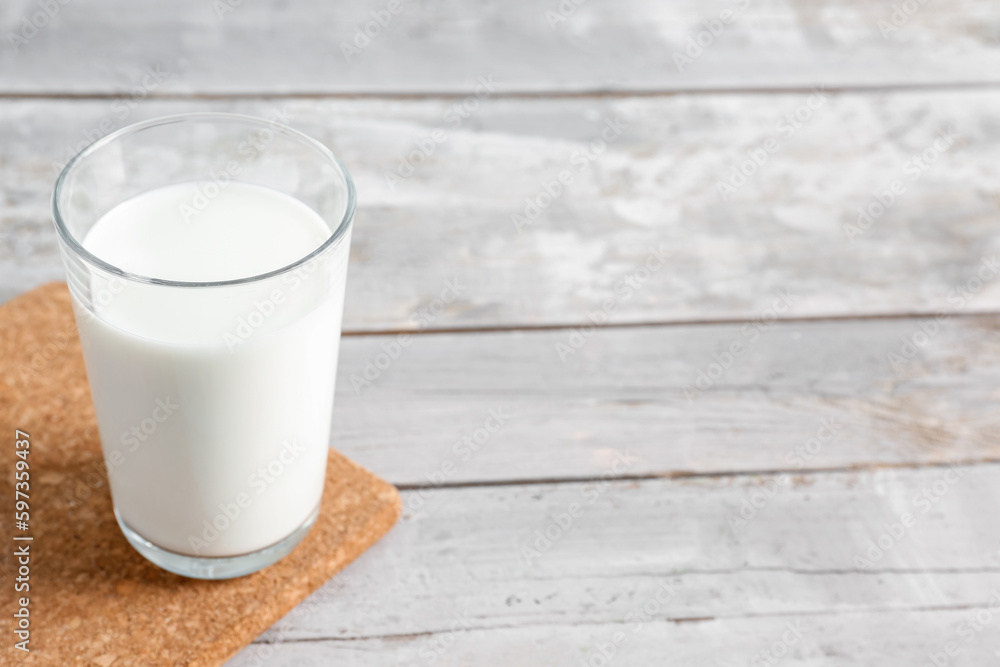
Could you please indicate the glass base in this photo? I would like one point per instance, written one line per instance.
(219, 567)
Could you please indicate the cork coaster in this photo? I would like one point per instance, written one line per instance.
(93, 599)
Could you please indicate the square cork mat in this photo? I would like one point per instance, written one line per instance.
(93, 599)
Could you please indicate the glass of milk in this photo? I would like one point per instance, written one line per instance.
(206, 255)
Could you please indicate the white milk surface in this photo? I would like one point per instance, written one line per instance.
(214, 403)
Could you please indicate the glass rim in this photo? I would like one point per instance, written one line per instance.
(73, 244)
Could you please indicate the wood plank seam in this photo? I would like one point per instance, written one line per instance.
(596, 93)
(859, 467)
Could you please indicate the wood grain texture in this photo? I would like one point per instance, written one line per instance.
(424, 419)
(458, 561)
(832, 640)
(747, 549)
(295, 46)
(655, 186)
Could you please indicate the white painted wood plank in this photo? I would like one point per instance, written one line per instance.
(460, 556)
(297, 45)
(424, 418)
(654, 186)
(827, 641)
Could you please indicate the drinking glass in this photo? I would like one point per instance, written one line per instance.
(213, 398)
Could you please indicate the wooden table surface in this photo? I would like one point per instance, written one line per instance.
(779, 445)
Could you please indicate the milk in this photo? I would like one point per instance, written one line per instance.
(214, 403)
